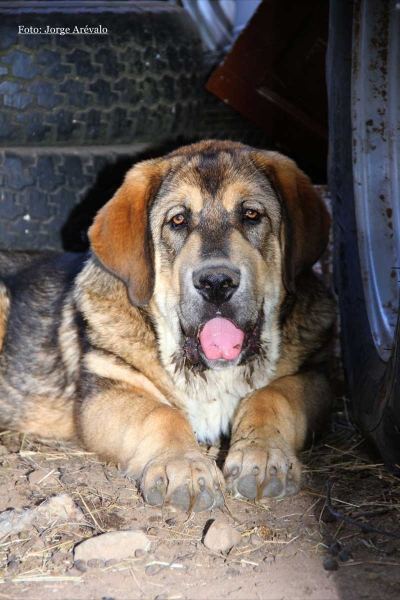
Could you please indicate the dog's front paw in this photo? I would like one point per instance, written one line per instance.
(191, 482)
(258, 469)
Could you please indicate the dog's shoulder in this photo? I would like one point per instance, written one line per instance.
(25, 272)
(120, 339)
(307, 322)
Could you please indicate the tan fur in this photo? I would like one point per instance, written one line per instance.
(48, 417)
(132, 394)
(4, 310)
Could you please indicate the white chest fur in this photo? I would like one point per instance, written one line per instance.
(211, 402)
(211, 407)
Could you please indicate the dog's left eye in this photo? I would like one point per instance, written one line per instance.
(251, 215)
(179, 220)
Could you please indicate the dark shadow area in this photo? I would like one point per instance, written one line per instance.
(74, 232)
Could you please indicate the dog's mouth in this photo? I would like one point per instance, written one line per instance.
(220, 338)
(220, 342)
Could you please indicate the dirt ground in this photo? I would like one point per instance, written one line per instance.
(283, 546)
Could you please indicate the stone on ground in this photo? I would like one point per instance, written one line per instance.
(221, 537)
(116, 544)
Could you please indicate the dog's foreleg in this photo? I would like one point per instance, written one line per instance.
(153, 442)
(270, 428)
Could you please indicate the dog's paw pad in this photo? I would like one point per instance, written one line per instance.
(218, 499)
(273, 488)
(247, 486)
(264, 471)
(204, 501)
(292, 488)
(180, 498)
(155, 497)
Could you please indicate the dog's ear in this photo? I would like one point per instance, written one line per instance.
(305, 218)
(120, 235)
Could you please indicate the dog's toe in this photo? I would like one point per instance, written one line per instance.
(247, 486)
(191, 483)
(258, 471)
(273, 488)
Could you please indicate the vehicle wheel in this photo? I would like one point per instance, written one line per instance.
(363, 65)
(140, 80)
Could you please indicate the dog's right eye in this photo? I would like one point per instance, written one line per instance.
(178, 221)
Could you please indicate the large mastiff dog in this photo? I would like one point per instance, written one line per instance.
(195, 314)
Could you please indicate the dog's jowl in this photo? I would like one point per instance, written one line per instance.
(195, 314)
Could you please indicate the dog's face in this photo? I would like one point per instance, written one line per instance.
(214, 235)
(215, 224)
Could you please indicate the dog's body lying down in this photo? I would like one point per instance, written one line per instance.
(195, 314)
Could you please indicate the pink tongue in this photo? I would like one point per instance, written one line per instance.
(220, 338)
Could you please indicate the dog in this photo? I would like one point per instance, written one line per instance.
(195, 314)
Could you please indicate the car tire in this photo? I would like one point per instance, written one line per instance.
(373, 381)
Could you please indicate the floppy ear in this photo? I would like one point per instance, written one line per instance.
(305, 218)
(120, 235)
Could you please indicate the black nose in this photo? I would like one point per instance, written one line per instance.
(216, 284)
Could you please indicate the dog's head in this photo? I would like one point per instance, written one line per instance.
(215, 235)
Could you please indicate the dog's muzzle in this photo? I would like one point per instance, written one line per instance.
(216, 284)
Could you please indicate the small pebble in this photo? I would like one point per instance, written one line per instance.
(221, 537)
(171, 522)
(111, 562)
(335, 548)
(154, 519)
(12, 565)
(389, 549)
(232, 571)
(255, 540)
(152, 569)
(344, 556)
(322, 513)
(95, 563)
(68, 479)
(61, 507)
(3, 450)
(152, 531)
(43, 477)
(330, 564)
(74, 572)
(258, 569)
(139, 553)
(58, 558)
(115, 544)
(80, 565)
